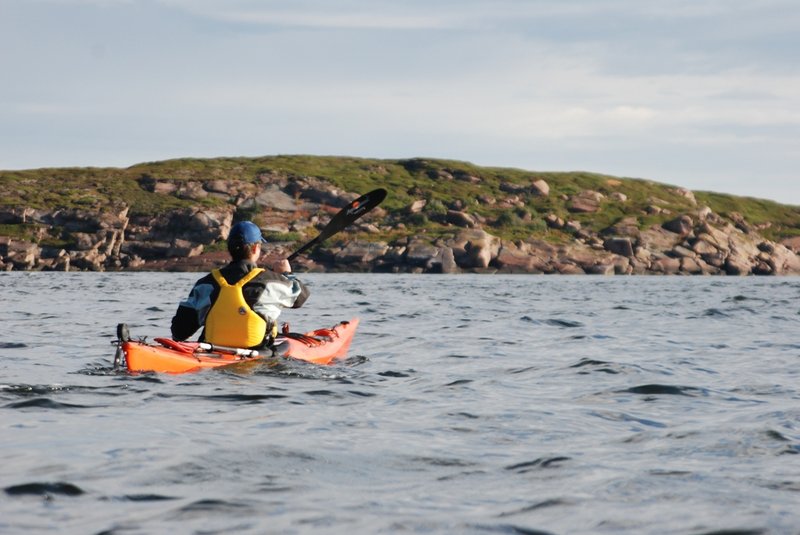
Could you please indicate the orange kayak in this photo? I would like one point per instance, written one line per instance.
(322, 346)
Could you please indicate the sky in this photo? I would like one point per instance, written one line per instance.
(702, 94)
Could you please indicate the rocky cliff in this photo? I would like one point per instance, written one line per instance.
(440, 217)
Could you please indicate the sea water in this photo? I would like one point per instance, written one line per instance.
(468, 404)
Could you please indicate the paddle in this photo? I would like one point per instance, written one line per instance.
(346, 216)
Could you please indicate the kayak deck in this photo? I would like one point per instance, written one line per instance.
(321, 346)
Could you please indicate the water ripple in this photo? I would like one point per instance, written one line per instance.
(668, 390)
(542, 462)
(44, 489)
(469, 404)
(554, 322)
(46, 403)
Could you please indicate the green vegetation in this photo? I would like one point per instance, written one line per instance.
(24, 231)
(756, 212)
(501, 197)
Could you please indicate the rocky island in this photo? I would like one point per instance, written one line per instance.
(439, 217)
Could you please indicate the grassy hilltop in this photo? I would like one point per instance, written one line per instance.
(444, 184)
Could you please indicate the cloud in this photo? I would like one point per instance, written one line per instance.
(316, 15)
(603, 85)
(333, 19)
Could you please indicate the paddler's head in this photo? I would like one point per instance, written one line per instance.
(244, 241)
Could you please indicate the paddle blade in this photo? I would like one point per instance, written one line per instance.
(354, 210)
(345, 217)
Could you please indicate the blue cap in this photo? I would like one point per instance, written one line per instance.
(245, 232)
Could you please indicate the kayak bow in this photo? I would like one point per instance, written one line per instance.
(321, 346)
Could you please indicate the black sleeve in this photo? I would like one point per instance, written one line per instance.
(304, 293)
(184, 323)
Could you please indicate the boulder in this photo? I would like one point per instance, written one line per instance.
(694, 266)
(579, 254)
(184, 248)
(784, 261)
(19, 255)
(703, 245)
(705, 214)
(392, 259)
(541, 249)
(11, 216)
(85, 241)
(740, 222)
(766, 247)
(475, 248)
(318, 191)
(88, 260)
(75, 220)
(682, 225)
(274, 198)
(587, 201)
(792, 243)
(148, 249)
(443, 262)
(419, 253)
(512, 201)
(510, 187)
(514, 259)
(737, 265)
(417, 206)
(688, 194)
(228, 189)
(625, 227)
(192, 190)
(540, 188)
(448, 261)
(656, 238)
(600, 269)
(463, 176)
(205, 226)
(132, 261)
(623, 266)
(720, 238)
(619, 246)
(360, 252)
(679, 251)
(553, 221)
(461, 219)
(62, 263)
(568, 268)
(745, 244)
(159, 186)
(666, 265)
(716, 259)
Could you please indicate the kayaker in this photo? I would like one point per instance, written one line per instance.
(239, 305)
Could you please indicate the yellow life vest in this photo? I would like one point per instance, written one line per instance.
(231, 321)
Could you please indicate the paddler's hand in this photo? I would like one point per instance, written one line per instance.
(281, 266)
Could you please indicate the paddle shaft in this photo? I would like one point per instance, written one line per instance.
(345, 217)
(238, 351)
